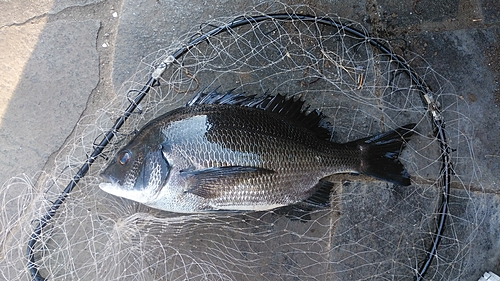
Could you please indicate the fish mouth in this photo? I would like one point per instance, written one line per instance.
(109, 179)
(110, 184)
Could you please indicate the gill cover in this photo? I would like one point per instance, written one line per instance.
(137, 173)
(154, 171)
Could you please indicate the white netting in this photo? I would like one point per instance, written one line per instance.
(373, 231)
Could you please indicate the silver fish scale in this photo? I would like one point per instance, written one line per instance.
(254, 138)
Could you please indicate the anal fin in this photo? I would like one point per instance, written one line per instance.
(321, 196)
(301, 211)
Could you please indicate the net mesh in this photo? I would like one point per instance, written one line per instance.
(373, 230)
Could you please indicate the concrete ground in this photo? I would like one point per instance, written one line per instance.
(60, 60)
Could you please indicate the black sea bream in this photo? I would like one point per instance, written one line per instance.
(230, 152)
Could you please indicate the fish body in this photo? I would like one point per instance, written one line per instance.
(229, 152)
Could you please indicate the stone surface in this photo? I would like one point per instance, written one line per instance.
(490, 10)
(51, 92)
(17, 12)
(468, 61)
(148, 26)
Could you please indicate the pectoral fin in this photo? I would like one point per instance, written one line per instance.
(213, 182)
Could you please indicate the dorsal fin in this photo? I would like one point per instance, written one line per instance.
(214, 97)
(289, 108)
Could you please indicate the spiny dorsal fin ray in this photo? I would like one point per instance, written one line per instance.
(289, 108)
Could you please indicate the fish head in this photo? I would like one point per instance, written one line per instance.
(137, 172)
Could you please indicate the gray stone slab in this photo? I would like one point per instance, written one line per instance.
(490, 10)
(52, 69)
(388, 226)
(150, 26)
(50, 95)
(18, 12)
(59, 5)
(407, 13)
(461, 56)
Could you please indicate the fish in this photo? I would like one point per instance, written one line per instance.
(226, 151)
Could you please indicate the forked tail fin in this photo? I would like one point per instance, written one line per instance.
(379, 155)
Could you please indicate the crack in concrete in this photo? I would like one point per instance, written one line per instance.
(61, 13)
(108, 27)
(81, 12)
(32, 20)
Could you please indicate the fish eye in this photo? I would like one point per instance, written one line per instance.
(124, 158)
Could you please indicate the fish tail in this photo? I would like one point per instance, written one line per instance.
(379, 155)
